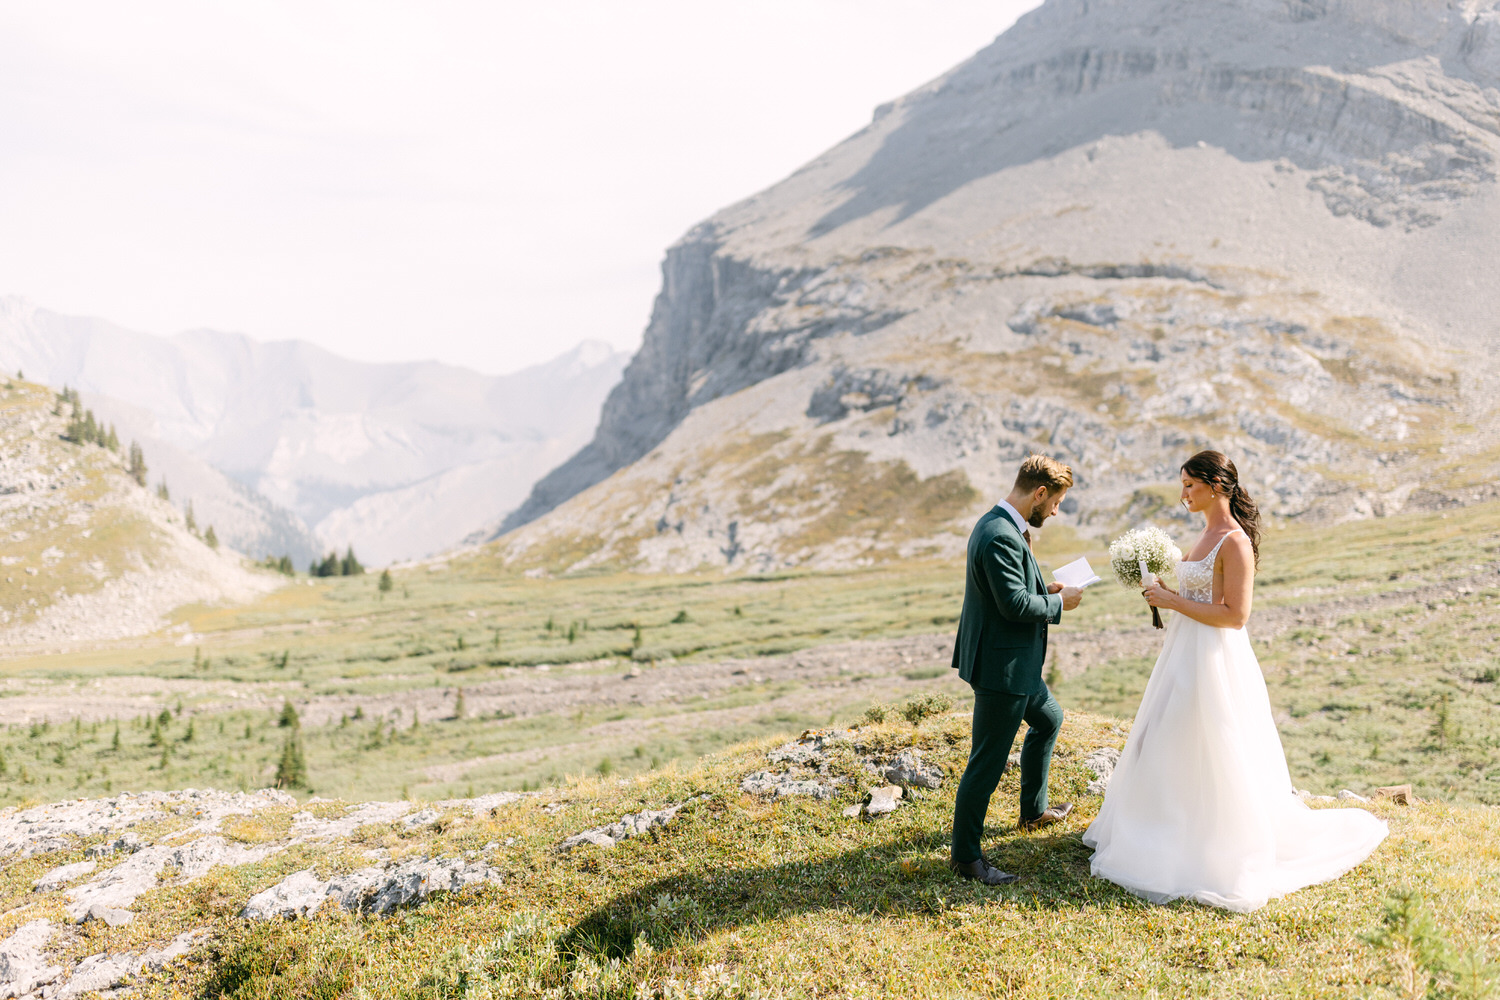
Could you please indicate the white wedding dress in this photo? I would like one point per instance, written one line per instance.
(1201, 805)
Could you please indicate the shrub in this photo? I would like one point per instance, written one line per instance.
(917, 709)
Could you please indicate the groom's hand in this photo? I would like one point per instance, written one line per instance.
(1054, 588)
(1071, 596)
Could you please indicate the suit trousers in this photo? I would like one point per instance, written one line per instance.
(997, 718)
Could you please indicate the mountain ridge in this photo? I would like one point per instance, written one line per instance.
(1122, 231)
(315, 434)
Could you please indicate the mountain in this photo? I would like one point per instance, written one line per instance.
(89, 553)
(399, 460)
(1125, 230)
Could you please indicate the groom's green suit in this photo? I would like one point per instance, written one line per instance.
(1000, 650)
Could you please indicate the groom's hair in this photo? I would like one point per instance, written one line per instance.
(1039, 470)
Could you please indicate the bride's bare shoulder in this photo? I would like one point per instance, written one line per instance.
(1237, 547)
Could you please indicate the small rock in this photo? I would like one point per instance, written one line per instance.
(127, 843)
(22, 967)
(854, 810)
(1014, 760)
(59, 877)
(422, 817)
(110, 915)
(632, 673)
(1102, 762)
(779, 786)
(883, 800)
(1347, 796)
(1399, 794)
(909, 770)
(297, 895)
(629, 825)
(99, 972)
(378, 890)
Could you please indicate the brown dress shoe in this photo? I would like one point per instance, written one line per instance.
(1052, 815)
(983, 871)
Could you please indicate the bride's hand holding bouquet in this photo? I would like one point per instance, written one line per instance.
(1139, 558)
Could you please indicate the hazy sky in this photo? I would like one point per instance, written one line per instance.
(484, 183)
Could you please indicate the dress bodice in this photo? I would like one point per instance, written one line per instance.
(1196, 576)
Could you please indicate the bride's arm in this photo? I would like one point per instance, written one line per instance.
(1239, 589)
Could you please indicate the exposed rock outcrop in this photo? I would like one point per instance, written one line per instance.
(1122, 232)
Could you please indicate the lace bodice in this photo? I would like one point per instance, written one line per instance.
(1196, 576)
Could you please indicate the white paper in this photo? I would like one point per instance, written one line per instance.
(1148, 578)
(1077, 573)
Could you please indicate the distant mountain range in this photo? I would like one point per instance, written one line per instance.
(1124, 231)
(286, 447)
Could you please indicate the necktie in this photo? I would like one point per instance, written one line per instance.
(1027, 535)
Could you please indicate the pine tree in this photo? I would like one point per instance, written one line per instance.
(112, 441)
(162, 491)
(210, 538)
(188, 520)
(386, 583)
(137, 462)
(291, 770)
(288, 717)
(114, 744)
(284, 564)
(350, 565)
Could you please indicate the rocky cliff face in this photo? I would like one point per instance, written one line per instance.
(1122, 232)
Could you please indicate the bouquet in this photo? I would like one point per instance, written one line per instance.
(1142, 555)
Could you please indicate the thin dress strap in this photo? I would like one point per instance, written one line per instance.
(1220, 544)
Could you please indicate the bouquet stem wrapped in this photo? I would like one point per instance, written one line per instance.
(1141, 556)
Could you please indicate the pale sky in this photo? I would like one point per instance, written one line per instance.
(483, 183)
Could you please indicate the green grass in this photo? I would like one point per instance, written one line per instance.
(1368, 693)
(741, 898)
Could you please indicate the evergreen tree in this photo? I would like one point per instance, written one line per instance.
(291, 770)
(330, 565)
(350, 566)
(210, 539)
(288, 718)
(137, 462)
(458, 705)
(112, 441)
(386, 583)
(284, 564)
(188, 520)
(163, 492)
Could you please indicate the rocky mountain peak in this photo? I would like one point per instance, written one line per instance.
(1123, 231)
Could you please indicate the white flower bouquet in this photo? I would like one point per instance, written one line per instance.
(1141, 556)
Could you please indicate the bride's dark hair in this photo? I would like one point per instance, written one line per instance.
(1216, 470)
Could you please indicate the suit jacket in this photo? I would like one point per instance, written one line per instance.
(1002, 631)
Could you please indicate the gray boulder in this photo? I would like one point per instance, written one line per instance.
(909, 770)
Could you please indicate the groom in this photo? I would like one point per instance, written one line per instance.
(1001, 646)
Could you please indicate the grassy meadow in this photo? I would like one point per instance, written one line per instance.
(1380, 641)
(613, 693)
(741, 898)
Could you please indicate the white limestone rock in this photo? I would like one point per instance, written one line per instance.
(379, 889)
(23, 968)
(909, 770)
(627, 826)
(1102, 762)
(61, 876)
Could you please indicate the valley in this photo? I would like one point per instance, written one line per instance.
(1380, 641)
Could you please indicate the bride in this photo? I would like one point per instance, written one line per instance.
(1201, 804)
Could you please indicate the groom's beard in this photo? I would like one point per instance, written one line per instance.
(1036, 519)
